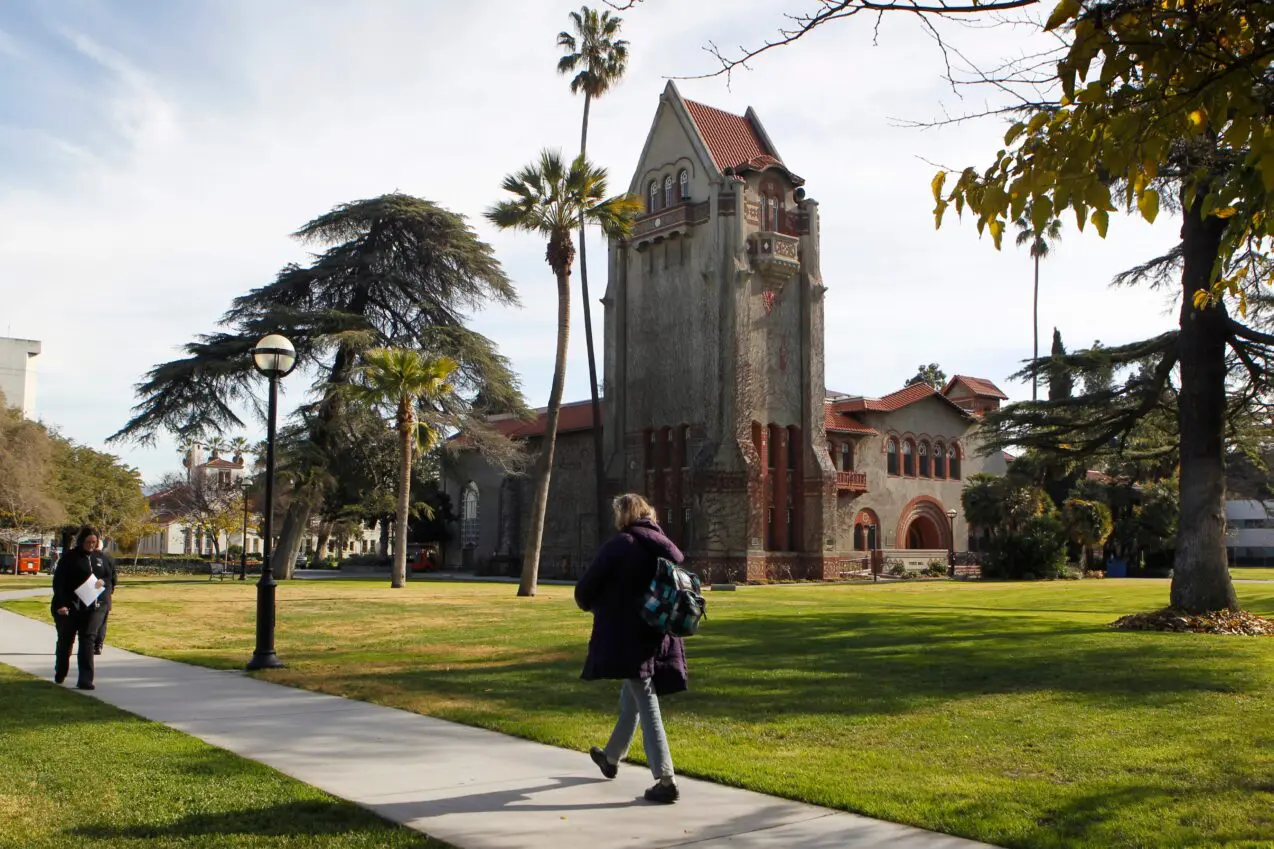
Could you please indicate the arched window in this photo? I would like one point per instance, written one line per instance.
(774, 213)
(925, 470)
(939, 461)
(866, 527)
(953, 463)
(684, 179)
(652, 203)
(668, 199)
(469, 516)
(909, 459)
(891, 456)
(846, 457)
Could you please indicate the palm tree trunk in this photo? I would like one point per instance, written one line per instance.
(1201, 577)
(599, 458)
(399, 578)
(544, 468)
(1035, 322)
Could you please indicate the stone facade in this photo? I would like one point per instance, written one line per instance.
(715, 403)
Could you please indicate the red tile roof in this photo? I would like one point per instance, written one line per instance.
(220, 463)
(894, 401)
(576, 416)
(979, 386)
(838, 422)
(731, 139)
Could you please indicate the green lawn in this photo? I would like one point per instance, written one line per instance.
(78, 772)
(1008, 713)
(1252, 573)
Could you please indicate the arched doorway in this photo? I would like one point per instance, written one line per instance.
(923, 534)
(866, 531)
(924, 525)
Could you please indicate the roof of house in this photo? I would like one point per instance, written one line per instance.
(894, 401)
(221, 463)
(979, 386)
(575, 416)
(840, 422)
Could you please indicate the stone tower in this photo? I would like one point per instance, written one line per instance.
(714, 350)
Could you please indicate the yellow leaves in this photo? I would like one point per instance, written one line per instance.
(1225, 212)
(938, 180)
(1062, 13)
(996, 226)
(1100, 219)
(1198, 119)
(1013, 133)
(937, 214)
(1148, 203)
(1038, 120)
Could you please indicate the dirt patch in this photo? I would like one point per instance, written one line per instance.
(1232, 622)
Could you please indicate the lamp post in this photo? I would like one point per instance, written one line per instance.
(951, 517)
(275, 357)
(244, 486)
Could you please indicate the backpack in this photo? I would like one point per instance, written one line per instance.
(673, 604)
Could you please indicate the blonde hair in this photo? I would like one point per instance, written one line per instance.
(631, 508)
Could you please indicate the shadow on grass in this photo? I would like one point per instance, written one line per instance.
(294, 819)
(846, 664)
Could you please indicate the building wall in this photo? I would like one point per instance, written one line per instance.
(17, 374)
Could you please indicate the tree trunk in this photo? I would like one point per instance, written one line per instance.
(295, 524)
(1035, 323)
(544, 467)
(1201, 576)
(384, 535)
(599, 454)
(324, 534)
(399, 579)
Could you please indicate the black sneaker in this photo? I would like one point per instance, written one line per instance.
(58, 679)
(83, 686)
(97, 649)
(663, 794)
(599, 757)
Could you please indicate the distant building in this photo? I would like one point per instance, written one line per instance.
(17, 377)
(175, 537)
(1249, 538)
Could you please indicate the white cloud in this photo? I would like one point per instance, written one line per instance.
(212, 149)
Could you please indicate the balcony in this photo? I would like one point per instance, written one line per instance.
(675, 220)
(775, 255)
(851, 481)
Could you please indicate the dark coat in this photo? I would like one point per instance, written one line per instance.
(613, 589)
(73, 569)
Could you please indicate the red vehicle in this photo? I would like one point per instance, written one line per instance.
(28, 562)
(422, 558)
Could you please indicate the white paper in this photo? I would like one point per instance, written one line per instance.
(89, 591)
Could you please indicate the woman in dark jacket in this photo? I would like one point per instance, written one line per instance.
(73, 618)
(624, 647)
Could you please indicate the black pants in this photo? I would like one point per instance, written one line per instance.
(84, 625)
(101, 632)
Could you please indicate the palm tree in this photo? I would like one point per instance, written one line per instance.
(240, 446)
(1040, 243)
(215, 446)
(598, 60)
(550, 200)
(403, 381)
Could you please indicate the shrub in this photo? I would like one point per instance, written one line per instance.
(365, 560)
(937, 568)
(234, 552)
(1037, 551)
(896, 568)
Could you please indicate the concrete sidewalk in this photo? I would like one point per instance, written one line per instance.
(472, 788)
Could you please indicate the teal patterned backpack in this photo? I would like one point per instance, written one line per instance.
(673, 603)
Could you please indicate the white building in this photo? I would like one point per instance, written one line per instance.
(175, 537)
(17, 376)
(1249, 538)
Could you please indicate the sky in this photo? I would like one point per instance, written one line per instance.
(154, 157)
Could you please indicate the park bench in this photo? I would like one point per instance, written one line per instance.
(220, 571)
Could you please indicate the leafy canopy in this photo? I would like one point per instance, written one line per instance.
(593, 53)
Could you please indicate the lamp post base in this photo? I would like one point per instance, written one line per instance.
(264, 661)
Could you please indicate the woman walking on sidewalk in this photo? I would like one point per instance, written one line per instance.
(75, 619)
(623, 647)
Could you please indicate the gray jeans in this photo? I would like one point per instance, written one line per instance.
(637, 700)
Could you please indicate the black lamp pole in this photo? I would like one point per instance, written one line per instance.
(274, 356)
(951, 516)
(243, 555)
